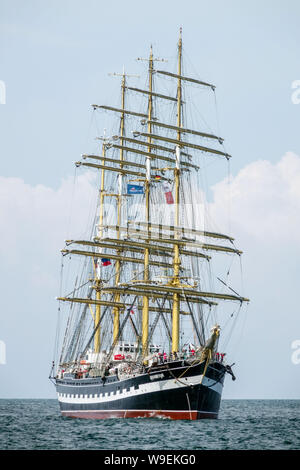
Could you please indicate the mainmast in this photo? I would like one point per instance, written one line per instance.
(176, 261)
(145, 314)
(116, 310)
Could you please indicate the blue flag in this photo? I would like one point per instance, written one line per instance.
(135, 189)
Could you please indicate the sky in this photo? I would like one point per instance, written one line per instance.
(55, 58)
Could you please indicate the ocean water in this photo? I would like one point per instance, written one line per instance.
(242, 424)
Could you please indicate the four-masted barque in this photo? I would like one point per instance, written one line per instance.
(138, 341)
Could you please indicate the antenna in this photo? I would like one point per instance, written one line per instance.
(106, 140)
(158, 59)
(123, 74)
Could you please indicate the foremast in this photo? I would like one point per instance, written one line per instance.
(97, 279)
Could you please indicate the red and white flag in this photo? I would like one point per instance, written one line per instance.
(168, 192)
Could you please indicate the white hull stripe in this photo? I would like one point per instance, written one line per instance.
(138, 411)
(163, 385)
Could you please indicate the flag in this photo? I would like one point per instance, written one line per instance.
(105, 261)
(168, 193)
(157, 177)
(135, 189)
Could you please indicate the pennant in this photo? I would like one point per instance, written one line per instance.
(168, 193)
(135, 189)
(95, 263)
(105, 261)
(97, 267)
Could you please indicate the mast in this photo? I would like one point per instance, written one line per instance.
(145, 312)
(116, 310)
(176, 260)
(119, 196)
(97, 279)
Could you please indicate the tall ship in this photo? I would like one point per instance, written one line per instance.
(139, 331)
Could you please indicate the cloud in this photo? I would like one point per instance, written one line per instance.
(36, 219)
(263, 200)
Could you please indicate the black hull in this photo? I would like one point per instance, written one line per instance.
(178, 392)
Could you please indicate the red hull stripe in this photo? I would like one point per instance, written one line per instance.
(101, 414)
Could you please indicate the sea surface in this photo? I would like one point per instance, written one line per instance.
(242, 424)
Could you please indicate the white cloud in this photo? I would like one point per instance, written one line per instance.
(263, 200)
(36, 219)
